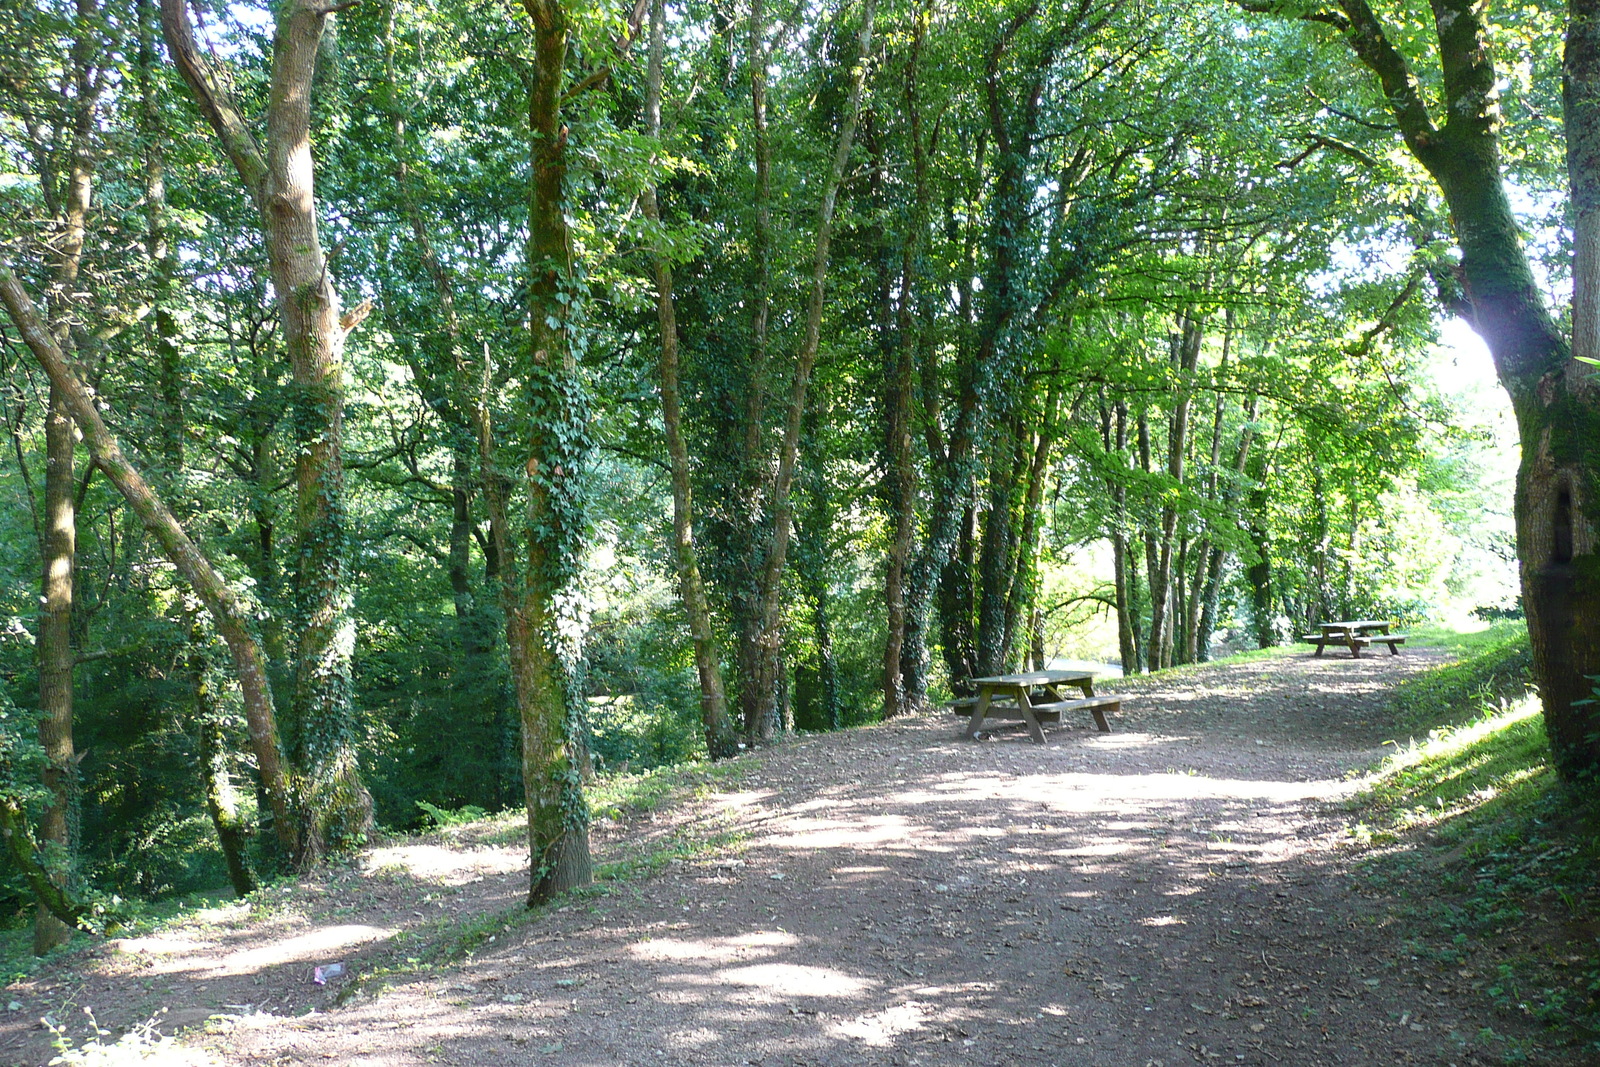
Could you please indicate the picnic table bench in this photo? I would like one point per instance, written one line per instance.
(1355, 635)
(1013, 697)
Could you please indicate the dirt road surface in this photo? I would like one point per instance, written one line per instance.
(1177, 891)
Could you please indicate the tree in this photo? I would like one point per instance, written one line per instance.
(1458, 143)
(334, 806)
(719, 732)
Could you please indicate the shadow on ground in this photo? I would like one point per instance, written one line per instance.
(1169, 893)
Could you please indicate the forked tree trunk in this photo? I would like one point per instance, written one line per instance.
(333, 807)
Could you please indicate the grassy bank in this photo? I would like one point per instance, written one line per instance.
(1490, 859)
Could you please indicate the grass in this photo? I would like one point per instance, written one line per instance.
(1493, 667)
(1494, 861)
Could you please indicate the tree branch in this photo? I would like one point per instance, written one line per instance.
(216, 103)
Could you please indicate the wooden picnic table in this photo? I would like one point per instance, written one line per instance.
(1014, 696)
(1356, 634)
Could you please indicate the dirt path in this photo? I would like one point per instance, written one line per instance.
(1166, 894)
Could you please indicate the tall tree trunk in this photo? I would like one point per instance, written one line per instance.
(754, 507)
(544, 651)
(55, 664)
(1114, 441)
(1022, 598)
(769, 647)
(334, 807)
(1217, 563)
(900, 473)
(720, 736)
(1198, 600)
(1185, 357)
(995, 556)
(337, 807)
(59, 547)
(1259, 574)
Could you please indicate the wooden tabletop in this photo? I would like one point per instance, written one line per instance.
(1035, 678)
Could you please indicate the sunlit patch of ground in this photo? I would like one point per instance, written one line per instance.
(442, 864)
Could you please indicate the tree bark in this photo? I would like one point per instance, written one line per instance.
(1259, 574)
(55, 664)
(541, 634)
(1114, 440)
(59, 544)
(222, 801)
(229, 614)
(334, 807)
(1557, 405)
(900, 473)
(720, 736)
(1022, 597)
(769, 648)
(1185, 357)
(755, 507)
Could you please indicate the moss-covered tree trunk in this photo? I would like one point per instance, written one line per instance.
(59, 541)
(901, 694)
(216, 757)
(1556, 402)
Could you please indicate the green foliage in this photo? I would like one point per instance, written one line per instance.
(1144, 187)
(442, 818)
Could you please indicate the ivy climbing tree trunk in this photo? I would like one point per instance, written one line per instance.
(900, 472)
(542, 628)
(333, 807)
